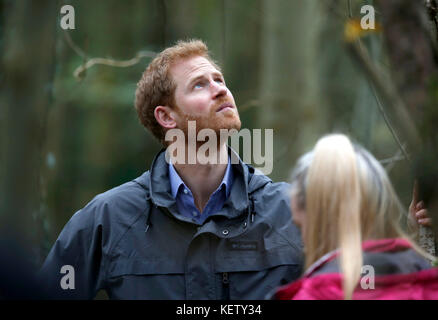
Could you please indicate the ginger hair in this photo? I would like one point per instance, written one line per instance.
(157, 87)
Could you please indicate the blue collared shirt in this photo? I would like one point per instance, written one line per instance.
(184, 197)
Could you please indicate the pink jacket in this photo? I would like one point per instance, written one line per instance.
(421, 283)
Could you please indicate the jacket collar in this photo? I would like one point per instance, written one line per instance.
(245, 181)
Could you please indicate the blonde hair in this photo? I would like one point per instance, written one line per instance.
(156, 86)
(348, 199)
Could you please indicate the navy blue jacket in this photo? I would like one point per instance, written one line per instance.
(132, 242)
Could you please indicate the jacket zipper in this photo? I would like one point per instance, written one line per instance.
(225, 286)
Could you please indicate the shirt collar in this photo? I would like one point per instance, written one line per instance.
(176, 181)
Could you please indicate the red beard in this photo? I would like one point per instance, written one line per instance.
(216, 121)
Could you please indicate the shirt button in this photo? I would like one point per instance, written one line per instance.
(186, 191)
(225, 232)
(195, 213)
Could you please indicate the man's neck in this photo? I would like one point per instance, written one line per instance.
(203, 179)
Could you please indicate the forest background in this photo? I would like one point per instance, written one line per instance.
(304, 68)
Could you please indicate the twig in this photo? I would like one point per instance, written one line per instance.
(388, 124)
(111, 62)
(394, 104)
(393, 159)
(89, 62)
(73, 45)
(390, 162)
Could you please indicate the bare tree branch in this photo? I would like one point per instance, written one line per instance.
(73, 45)
(389, 163)
(394, 104)
(388, 124)
(89, 62)
(111, 62)
(395, 158)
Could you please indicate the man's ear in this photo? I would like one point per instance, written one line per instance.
(165, 116)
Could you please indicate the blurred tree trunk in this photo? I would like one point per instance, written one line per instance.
(28, 65)
(288, 76)
(410, 37)
(364, 115)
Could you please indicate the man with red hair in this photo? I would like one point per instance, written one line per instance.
(185, 229)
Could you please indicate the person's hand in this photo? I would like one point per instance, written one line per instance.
(418, 211)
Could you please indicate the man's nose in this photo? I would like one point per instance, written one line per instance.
(218, 90)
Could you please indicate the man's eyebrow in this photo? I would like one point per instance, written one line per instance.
(196, 79)
(216, 73)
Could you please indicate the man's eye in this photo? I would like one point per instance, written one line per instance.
(220, 81)
(198, 85)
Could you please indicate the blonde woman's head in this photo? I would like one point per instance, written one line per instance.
(341, 196)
